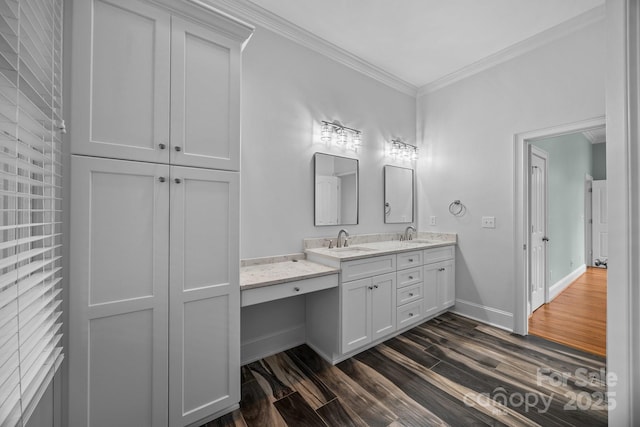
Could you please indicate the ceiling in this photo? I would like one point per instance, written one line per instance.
(421, 41)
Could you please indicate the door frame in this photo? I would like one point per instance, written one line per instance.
(521, 209)
(531, 150)
(588, 219)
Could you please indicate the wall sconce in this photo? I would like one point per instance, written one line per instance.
(400, 150)
(333, 133)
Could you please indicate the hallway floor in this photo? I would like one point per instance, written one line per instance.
(447, 371)
(578, 316)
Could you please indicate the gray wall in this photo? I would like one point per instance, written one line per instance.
(599, 161)
(287, 90)
(466, 134)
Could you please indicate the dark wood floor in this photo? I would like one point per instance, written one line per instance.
(578, 316)
(448, 371)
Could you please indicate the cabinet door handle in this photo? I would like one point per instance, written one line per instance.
(178, 148)
(297, 289)
(370, 287)
(177, 180)
(161, 179)
(441, 269)
(162, 146)
(375, 286)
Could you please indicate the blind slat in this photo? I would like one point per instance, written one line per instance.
(30, 203)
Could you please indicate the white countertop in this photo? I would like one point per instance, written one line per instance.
(273, 273)
(365, 250)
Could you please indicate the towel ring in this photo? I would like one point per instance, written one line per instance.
(456, 208)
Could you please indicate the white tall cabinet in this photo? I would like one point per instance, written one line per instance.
(154, 282)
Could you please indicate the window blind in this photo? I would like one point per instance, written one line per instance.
(30, 203)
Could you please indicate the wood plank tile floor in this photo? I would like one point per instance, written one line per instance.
(578, 316)
(447, 371)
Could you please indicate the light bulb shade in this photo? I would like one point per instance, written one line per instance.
(357, 139)
(325, 133)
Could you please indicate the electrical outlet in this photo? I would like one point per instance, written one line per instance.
(488, 222)
(432, 220)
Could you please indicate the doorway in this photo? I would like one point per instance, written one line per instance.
(568, 270)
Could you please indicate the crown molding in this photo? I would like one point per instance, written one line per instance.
(247, 11)
(563, 29)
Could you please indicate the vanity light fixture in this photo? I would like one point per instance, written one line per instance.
(400, 150)
(342, 136)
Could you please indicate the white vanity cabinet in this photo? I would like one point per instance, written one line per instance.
(439, 280)
(154, 311)
(378, 297)
(152, 86)
(368, 310)
(410, 289)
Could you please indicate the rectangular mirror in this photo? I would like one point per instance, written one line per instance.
(398, 195)
(336, 190)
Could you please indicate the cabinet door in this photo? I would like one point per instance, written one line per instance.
(356, 314)
(205, 97)
(118, 293)
(204, 324)
(383, 305)
(446, 284)
(120, 92)
(430, 290)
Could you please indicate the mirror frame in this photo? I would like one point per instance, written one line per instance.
(315, 177)
(413, 198)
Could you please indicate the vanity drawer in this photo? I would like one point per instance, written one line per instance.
(409, 293)
(289, 289)
(368, 267)
(409, 276)
(409, 314)
(439, 254)
(409, 259)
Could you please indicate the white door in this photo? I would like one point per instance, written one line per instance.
(205, 98)
(600, 229)
(383, 305)
(356, 314)
(446, 284)
(538, 161)
(327, 200)
(588, 220)
(120, 91)
(118, 291)
(430, 290)
(204, 295)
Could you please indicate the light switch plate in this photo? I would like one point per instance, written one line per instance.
(488, 222)
(432, 220)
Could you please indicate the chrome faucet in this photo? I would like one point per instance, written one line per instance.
(408, 232)
(346, 234)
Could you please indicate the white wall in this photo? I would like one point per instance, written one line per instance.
(466, 132)
(287, 90)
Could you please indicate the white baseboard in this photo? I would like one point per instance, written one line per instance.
(485, 314)
(563, 283)
(273, 343)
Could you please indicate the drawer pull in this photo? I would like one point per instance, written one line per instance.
(297, 289)
(370, 287)
(410, 277)
(375, 286)
(410, 259)
(441, 269)
(410, 295)
(410, 314)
